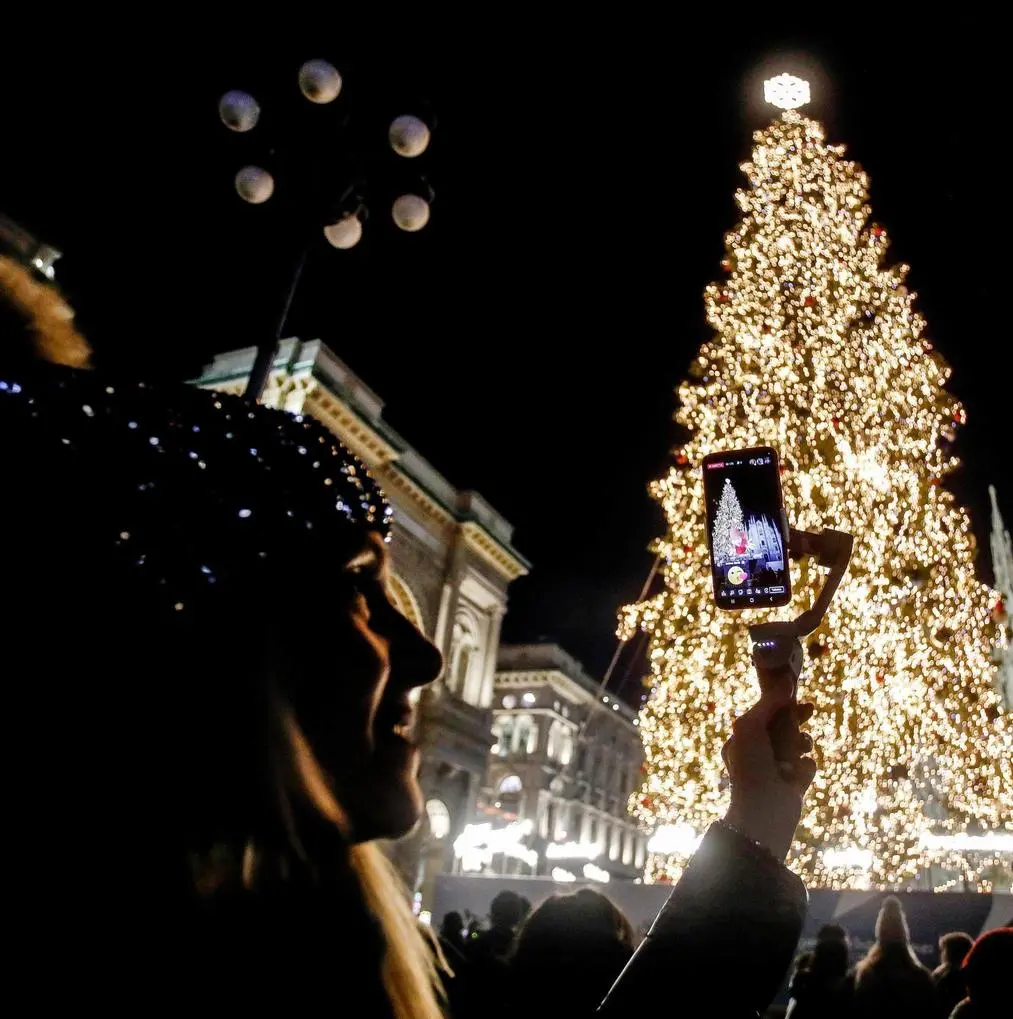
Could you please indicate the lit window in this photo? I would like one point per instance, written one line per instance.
(528, 698)
(509, 701)
(510, 784)
(439, 818)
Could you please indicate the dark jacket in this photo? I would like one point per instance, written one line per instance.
(722, 943)
(816, 998)
(950, 989)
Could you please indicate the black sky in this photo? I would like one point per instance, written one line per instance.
(529, 340)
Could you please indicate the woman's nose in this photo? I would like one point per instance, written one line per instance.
(415, 660)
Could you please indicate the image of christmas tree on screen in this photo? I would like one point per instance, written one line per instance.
(818, 350)
(737, 540)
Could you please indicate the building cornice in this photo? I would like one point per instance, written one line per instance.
(478, 539)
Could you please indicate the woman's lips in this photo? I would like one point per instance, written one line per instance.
(397, 723)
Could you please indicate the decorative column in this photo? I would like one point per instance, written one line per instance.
(491, 651)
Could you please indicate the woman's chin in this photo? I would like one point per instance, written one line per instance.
(387, 809)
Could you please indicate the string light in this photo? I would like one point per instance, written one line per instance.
(819, 352)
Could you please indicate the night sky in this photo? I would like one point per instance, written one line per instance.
(529, 340)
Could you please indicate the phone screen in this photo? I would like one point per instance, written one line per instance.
(747, 529)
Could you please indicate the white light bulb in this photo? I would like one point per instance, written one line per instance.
(254, 184)
(344, 234)
(408, 136)
(319, 81)
(239, 111)
(411, 213)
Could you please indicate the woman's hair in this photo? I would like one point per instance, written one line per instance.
(164, 742)
(35, 318)
(893, 940)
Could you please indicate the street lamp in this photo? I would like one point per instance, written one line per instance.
(323, 186)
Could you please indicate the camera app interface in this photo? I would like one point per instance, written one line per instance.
(749, 553)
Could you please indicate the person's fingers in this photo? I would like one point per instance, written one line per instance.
(774, 697)
(803, 712)
(805, 772)
(804, 743)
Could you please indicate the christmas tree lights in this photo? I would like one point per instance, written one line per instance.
(819, 351)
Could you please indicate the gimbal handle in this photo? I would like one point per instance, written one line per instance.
(777, 647)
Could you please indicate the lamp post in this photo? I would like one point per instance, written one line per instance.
(324, 182)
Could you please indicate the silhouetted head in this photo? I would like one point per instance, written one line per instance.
(219, 573)
(506, 910)
(832, 932)
(452, 927)
(988, 966)
(891, 924)
(953, 947)
(829, 959)
(570, 951)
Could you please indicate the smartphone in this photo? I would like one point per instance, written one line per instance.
(747, 528)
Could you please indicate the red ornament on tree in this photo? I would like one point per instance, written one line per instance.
(726, 264)
(877, 231)
(681, 459)
(999, 613)
(646, 801)
(810, 301)
(711, 707)
(880, 678)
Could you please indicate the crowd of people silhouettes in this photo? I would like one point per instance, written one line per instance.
(560, 959)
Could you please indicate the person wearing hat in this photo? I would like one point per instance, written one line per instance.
(209, 719)
(986, 970)
(209, 695)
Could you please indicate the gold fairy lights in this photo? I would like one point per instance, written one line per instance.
(819, 352)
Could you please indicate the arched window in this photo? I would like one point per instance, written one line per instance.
(439, 818)
(525, 735)
(509, 794)
(552, 746)
(464, 669)
(503, 732)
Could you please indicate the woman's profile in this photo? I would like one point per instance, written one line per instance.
(214, 691)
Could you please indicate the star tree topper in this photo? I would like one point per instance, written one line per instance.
(786, 92)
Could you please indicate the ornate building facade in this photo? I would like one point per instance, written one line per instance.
(565, 761)
(452, 561)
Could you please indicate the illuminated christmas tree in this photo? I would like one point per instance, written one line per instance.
(730, 542)
(819, 352)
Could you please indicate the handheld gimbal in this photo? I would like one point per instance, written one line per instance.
(777, 647)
